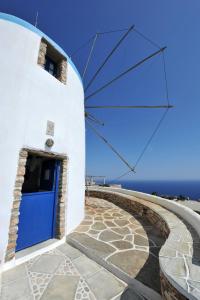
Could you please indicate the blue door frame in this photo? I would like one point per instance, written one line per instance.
(37, 219)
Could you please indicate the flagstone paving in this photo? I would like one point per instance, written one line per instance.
(63, 274)
(116, 237)
(120, 239)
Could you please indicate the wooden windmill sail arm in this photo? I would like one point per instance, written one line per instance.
(111, 147)
(128, 106)
(125, 72)
(108, 57)
(92, 37)
(93, 119)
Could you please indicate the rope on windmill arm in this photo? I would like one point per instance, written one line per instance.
(83, 45)
(165, 78)
(90, 55)
(109, 56)
(124, 174)
(147, 39)
(163, 59)
(147, 144)
(125, 72)
(151, 137)
(92, 37)
(113, 31)
(94, 119)
(111, 147)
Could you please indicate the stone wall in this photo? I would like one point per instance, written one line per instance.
(168, 291)
(179, 257)
(61, 203)
(134, 206)
(42, 53)
(62, 71)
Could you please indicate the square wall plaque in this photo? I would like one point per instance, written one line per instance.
(50, 128)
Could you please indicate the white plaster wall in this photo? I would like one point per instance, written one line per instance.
(29, 96)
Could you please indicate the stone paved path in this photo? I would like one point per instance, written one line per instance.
(63, 274)
(115, 236)
(127, 242)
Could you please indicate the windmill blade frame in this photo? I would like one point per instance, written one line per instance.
(127, 106)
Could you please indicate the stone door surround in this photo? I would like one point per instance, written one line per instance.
(60, 211)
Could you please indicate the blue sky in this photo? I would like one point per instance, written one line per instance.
(175, 151)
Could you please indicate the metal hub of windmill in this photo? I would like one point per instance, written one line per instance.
(91, 120)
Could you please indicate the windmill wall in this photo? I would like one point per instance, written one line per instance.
(36, 110)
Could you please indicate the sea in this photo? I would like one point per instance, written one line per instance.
(186, 188)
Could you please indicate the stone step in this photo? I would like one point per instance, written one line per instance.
(135, 288)
(123, 243)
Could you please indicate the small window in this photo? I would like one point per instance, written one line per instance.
(52, 61)
(50, 66)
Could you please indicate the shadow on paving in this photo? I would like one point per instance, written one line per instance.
(150, 272)
(136, 263)
(129, 294)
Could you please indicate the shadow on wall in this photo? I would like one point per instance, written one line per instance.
(196, 242)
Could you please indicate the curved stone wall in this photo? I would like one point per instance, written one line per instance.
(179, 258)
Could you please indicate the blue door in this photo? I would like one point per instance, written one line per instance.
(38, 203)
